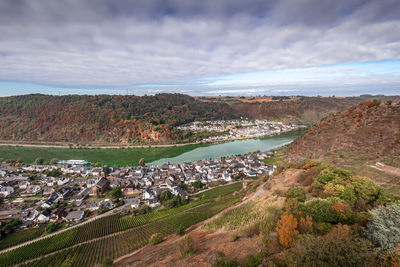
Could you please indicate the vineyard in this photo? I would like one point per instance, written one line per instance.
(247, 214)
(114, 236)
(18, 237)
(120, 244)
(220, 191)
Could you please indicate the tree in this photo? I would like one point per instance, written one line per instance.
(116, 192)
(39, 161)
(197, 184)
(51, 227)
(106, 169)
(142, 162)
(53, 161)
(286, 228)
(384, 226)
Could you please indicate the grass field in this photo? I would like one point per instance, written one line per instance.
(110, 156)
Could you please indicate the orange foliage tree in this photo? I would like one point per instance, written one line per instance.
(286, 228)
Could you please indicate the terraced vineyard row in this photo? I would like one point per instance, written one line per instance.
(121, 244)
(20, 237)
(98, 228)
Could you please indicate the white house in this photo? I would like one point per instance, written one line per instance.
(5, 191)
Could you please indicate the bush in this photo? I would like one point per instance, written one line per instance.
(251, 230)
(107, 262)
(39, 161)
(155, 239)
(254, 260)
(51, 227)
(186, 246)
(225, 262)
(297, 192)
(234, 237)
(306, 225)
(384, 226)
(340, 247)
(180, 230)
(54, 161)
(330, 210)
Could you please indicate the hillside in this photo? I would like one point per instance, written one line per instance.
(102, 118)
(356, 138)
(147, 119)
(298, 109)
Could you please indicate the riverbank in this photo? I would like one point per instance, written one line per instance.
(130, 156)
(120, 145)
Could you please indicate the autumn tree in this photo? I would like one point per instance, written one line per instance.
(286, 228)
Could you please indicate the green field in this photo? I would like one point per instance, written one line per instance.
(110, 156)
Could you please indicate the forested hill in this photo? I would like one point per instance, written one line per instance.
(102, 118)
(147, 119)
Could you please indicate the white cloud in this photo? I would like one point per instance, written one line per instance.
(98, 44)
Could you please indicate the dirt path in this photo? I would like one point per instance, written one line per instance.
(386, 168)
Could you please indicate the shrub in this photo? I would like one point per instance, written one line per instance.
(39, 161)
(340, 247)
(224, 262)
(186, 246)
(330, 210)
(251, 230)
(234, 237)
(306, 225)
(155, 239)
(297, 192)
(180, 230)
(286, 228)
(53, 161)
(107, 262)
(384, 226)
(254, 260)
(51, 227)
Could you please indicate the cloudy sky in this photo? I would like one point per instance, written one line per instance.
(207, 47)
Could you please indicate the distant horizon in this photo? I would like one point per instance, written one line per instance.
(210, 96)
(209, 47)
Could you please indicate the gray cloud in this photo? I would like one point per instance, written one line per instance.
(125, 43)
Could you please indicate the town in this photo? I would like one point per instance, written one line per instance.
(72, 190)
(238, 129)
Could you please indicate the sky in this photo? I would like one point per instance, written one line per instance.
(208, 47)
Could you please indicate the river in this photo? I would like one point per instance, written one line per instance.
(231, 148)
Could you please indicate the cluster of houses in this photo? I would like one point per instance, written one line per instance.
(33, 196)
(237, 129)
